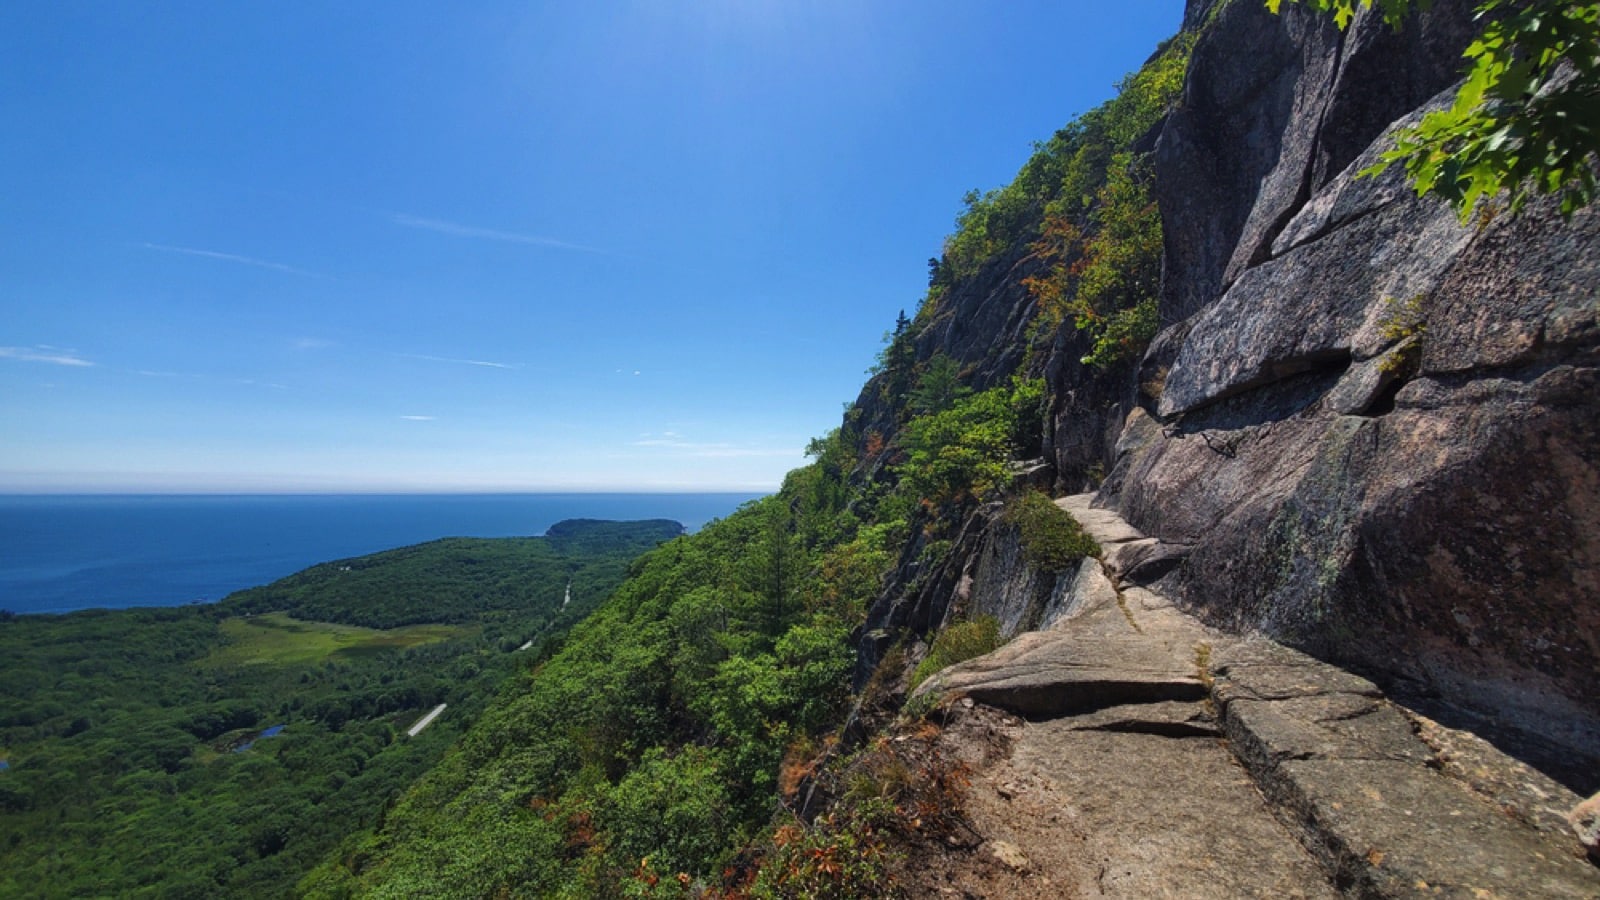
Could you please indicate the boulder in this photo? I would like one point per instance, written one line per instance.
(1585, 821)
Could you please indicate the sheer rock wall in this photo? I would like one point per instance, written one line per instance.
(1378, 427)
(1375, 431)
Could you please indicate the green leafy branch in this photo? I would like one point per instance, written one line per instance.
(1394, 11)
(1525, 121)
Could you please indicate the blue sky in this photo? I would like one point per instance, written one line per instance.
(489, 246)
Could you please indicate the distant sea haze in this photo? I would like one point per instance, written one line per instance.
(60, 553)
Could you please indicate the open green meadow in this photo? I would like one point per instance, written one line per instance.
(280, 639)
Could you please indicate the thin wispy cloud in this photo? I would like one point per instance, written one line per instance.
(671, 441)
(216, 379)
(455, 229)
(418, 418)
(231, 257)
(311, 343)
(43, 353)
(461, 362)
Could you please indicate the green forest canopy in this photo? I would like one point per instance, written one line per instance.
(133, 737)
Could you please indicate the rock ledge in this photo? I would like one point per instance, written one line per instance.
(1375, 795)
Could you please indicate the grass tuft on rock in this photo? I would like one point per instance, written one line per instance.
(958, 643)
(1052, 540)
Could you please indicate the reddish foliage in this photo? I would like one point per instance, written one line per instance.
(874, 444)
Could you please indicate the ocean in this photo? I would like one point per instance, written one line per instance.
(60, 553)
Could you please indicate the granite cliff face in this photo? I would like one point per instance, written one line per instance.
(1378, 426)
(1365, 429)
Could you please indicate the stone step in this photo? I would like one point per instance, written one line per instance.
(1104, 525)
(1127, 553)
(1346, 767)
(1056, 673)
(1341, 766)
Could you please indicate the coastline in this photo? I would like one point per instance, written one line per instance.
(65, 553)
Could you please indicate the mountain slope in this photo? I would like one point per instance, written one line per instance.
(1335, 416)
(1362, 428)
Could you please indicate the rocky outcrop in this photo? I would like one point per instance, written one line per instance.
(1273, 107)
(982, 323)
(1101, 657)
(1376, 437)
(1367, 430)
(984, 572)
(1347, 768)
(1319, 784)
(1003, 585)
(1585, 821)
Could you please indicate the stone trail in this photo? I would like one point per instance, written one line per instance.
(1157, 757)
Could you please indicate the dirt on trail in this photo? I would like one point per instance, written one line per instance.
(1067, 808)
(968, 862)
